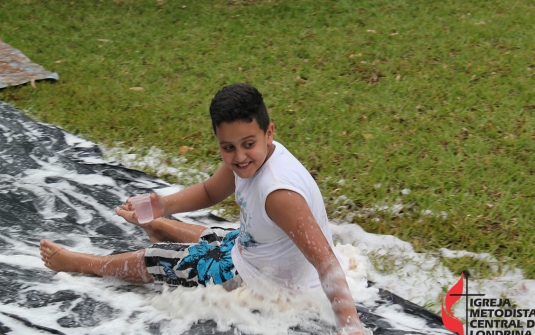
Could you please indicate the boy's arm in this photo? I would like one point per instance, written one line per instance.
(215, 189)
(291, 213)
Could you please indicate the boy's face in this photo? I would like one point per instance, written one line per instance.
(244, 146)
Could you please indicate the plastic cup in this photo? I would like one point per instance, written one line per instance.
(143, 208)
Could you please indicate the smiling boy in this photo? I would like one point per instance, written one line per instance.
(284, 237)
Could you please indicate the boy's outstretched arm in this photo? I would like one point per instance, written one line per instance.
(202, 195)
(215, 189)
(291, 213)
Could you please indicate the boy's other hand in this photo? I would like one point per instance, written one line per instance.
(127, 210)
(158, 205)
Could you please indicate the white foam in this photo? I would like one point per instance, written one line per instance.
(421, 278)
(23, 261)
(76, 141)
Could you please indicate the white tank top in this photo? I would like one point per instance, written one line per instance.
(263, 251)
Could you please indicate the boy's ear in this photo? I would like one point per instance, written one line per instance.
(270, 131)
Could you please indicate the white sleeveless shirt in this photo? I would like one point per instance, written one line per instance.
(263, 251)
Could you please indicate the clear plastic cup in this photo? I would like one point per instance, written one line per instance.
(143, 208)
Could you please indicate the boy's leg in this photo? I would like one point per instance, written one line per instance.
(190, 264)
(129, 266)
(187, 264)
(165, 230)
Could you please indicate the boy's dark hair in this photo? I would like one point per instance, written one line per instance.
(239, 102)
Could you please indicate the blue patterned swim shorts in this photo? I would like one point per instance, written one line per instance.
(191, 264)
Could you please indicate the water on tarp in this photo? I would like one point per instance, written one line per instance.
(57, 186)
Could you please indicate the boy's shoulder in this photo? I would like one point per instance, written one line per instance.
(285, 165)
(282, 156)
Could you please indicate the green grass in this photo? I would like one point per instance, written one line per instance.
(433, 96)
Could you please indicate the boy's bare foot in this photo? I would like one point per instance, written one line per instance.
(57, 258)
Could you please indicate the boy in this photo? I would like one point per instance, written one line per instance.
(284, 237)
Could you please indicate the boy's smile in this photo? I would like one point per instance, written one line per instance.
(244, 146)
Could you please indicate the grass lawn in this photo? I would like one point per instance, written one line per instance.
(419, 108)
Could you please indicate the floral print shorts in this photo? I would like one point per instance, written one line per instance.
(191, 264)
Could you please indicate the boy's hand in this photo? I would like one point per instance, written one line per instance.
(127, 210)
(158, 205)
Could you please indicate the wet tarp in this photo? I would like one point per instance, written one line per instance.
(56, 185)
(17, 69)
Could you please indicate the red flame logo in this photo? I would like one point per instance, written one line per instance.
(453, 295)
